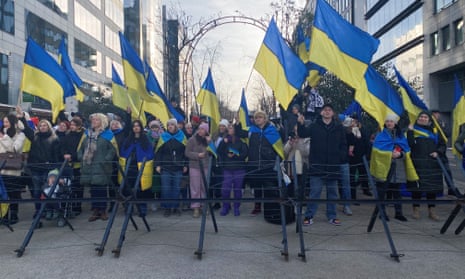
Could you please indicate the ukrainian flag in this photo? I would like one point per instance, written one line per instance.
(353, 108)
(377, 97)
(303, 46)
(381, 156)
(208, 101)
(3, 197)
(155, 105)
(165, 137)
(282, 70)
(458, 112)
(43, 77)
(154, 89)
(244, 113)
(272, 136)
(212, 149)
(413, 105)
(339, 46)
(120, 93)
(65, 62)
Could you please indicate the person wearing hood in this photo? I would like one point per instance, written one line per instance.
(427, 146)
(44, 154)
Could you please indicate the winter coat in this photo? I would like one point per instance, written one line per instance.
(99, 171)
(427, 167)
(299, 151)
(69, 145)
(328, 148)
(14, 144)
(138, 152)
(193, 148)
(262, 156)
(238, 148)
(361, 148)
(170, 156)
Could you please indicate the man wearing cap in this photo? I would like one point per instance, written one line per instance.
(327, 151)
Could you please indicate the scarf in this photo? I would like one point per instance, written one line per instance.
(91, 146)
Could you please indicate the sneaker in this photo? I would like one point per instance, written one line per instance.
(307, 221)
(196, 213)
(237, 212)
(347, 211)
(335, 222)
(167, 212)
(224, 212)
(154, 207)
(217, 206)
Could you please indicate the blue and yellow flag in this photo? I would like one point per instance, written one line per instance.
(208, 102)
(244, 113)
(119, 97)
(165, 137)
(413, 104)
(315, 72)
(420, 132)
(212, 149)
(381, 156)
(377, 97)
(154, 89)
(340, 47)
(458, 112)
(271, 134)
(353, 108)
(155, 105)
(282, 70)
(3, 197)
(44, 78)
(65, 62)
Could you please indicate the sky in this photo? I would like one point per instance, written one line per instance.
(235, 46)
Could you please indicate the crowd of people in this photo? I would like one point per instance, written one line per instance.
(171, 160)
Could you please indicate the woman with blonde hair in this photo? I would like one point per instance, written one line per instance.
(96, 154)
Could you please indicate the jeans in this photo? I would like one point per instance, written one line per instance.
(316, 187)
(170, 187)
(233, 180)
(345, 182)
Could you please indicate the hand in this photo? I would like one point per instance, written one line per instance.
(184, 169)
(202, 155)
(208, 138)
(434, 154)
(67, 157)
(128, 110)
(19, 112)
(395, 154)
(230, 154)
(410, 126)
(300, 118)
(158, 169)
(225, 140)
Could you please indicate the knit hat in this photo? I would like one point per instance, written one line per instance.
(172, 121)
(392, 117)
(347, 122)
(205, 127)
(155, 123)
(224, 122)
(53, 172)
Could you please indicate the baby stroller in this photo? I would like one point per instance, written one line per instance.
(59, 211)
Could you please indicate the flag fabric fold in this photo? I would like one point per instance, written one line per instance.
(458, 112)
(155, 105)
(244, 112)
(282, 70)
(208, 102)
(315, 72)
(377, 97)
(120, 93)
(44, 78)
(271, 134)
(339, 46)
(65, 62)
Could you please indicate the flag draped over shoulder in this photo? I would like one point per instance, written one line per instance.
(44, 78)
(339, 46)
(377, 97)
(282, 70)
(381, 156)
(458, 112)
(208, 102)
(120, 93)
(165, 137)
(271, 134)
(244, 112)
(413, 104)
(65, 62)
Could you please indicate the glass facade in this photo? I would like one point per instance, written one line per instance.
(86, 21)
(96, 3)
(408, 29)
(7, 16)
(87, 56)
(112, 40)
(3, 78)
(442, 4)
(458, 31)
(434, 43)
(114, 11)
(445, 37)
(58, 6)
(45, 34)
(410, 64)
(387, 13)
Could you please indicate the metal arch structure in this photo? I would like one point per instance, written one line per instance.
(187, 85)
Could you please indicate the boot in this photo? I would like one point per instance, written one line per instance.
(416, 212)
(95, 215)
(13, 217)
(432, 215)
(103, 215)
(225, 209)
(257, 209)
(236, 209)
(196, 213)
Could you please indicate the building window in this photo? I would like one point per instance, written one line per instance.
(87, 56)
(458, 31)
(87, 22)
(442, 4)
(3, 78)
(45, 34)
(434, 43)
(7, 16)
(445, 37)
(58, 6)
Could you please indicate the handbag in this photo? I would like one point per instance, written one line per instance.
(13, 160)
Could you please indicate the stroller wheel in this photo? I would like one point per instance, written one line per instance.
(61, 222)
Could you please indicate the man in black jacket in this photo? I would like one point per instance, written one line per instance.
(327, 151)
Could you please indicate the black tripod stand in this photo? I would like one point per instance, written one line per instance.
(128, 201)
(460, 201)
(36, 221)
(379, 211)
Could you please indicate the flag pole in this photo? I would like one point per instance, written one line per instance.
(140, 109)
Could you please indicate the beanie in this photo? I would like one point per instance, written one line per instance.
(205, 127)
(224, 122)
